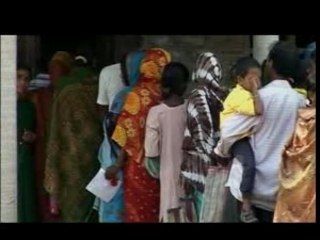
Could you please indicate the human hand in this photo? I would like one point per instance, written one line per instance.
(111, 172)
(53, 205)
(254, 84)
(28, 136)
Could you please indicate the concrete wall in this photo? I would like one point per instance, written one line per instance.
(124, 44)
(186, 48)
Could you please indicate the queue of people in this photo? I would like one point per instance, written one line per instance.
(166, 147)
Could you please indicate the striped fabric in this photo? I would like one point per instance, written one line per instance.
(202, 131)
(41, 81)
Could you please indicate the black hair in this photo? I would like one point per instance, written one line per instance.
(311, 90)
(313, 55)
(25, 68)
(242, 66)
(174, 79)
(301, 77)
(311, 87)
(285, 60)
(264, 75)
(124, 71)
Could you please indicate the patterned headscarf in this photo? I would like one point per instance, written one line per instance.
(208, 70)
(129, 132)
(202, 131)
(63, 58)
(153, 64)
(133, 63)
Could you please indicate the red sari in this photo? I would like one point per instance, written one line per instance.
(141, 191)
(42, 99)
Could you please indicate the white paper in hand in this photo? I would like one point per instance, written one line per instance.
(102, 188)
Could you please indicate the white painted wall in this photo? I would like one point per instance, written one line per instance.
(8, 129)
(261, 46)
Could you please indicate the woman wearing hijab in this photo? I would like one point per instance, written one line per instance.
(141, 191)
(60, 65)
(202, 131)
(72, 148)
(113, 211)
(81, 72)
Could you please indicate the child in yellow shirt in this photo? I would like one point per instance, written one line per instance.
(244, 99)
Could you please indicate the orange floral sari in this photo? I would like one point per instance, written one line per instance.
(297, 194)
(141, 191)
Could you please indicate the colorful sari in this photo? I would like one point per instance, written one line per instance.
(74, 139)
(113, 211)
(296, 200)
(202, 131)
(141, 191)
(27, 201)
(43, 100)
(77, 75)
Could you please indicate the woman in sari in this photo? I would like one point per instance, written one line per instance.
(26, 124)
(296, 201)
(81, 72)
(202, 131)
(74, 139)
(113, 211)
(60, 65)
(141, 191)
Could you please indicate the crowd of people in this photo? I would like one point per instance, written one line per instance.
(213, 154)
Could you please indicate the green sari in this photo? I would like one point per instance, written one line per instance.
(78, 75)
(74, 140)
(27, 206)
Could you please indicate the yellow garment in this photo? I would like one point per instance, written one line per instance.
(302, 91)
(297, 193)
(239, 100)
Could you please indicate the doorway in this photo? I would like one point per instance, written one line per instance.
(98, 47)
(36, 51)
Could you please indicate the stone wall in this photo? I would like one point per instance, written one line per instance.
(124, 44)
(186, 48)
